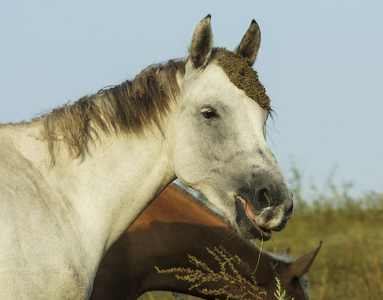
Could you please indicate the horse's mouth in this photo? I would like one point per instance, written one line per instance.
(265, 233)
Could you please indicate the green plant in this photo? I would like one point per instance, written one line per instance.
(228, 281)
(280, 294)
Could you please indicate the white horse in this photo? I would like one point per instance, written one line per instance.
(74, 180)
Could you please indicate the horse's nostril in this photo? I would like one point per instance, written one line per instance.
(263, 197)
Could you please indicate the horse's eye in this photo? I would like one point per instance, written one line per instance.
(208, 112)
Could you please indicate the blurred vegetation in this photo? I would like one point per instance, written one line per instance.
(350, 262)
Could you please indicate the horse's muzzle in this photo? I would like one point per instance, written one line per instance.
(258, 213)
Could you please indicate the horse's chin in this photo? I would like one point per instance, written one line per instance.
(247, 227)
(265, 234)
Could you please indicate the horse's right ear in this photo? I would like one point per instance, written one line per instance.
(249, 45)
(202, 43)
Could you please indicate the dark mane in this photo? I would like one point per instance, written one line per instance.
(128, 108)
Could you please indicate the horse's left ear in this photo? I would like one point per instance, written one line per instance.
(301, 266)
(202, 43)
(249, 45)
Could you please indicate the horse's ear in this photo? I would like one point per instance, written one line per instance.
(202, 43)
(286, 252)
(301, 266)
(249, 45)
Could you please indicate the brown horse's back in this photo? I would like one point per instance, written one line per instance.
(175, 205)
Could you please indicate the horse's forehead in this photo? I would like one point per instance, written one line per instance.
(213, 80)
(213, 85)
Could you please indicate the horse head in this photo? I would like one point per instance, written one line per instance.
(220, 147)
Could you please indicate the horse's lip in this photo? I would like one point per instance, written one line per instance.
(265, 233)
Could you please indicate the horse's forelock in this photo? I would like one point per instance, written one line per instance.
(242, 75)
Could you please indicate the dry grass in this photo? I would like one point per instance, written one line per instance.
(350, 262)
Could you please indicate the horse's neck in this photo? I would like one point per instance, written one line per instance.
(119, 179)
(107, 189)
(172, 253)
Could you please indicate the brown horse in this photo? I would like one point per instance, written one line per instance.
(176, 225)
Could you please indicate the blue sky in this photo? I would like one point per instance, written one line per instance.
(320, 61)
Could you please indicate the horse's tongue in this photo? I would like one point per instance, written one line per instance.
(247, 207)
